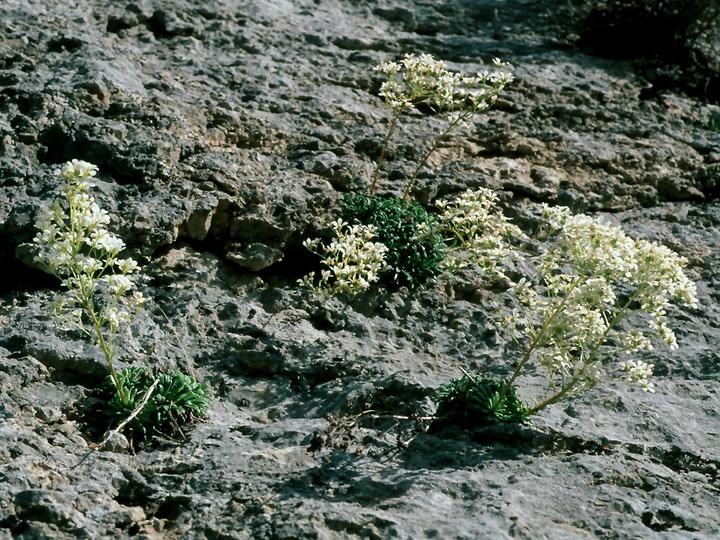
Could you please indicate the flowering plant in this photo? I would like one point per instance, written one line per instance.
(591, 293)
(590, 282)
(595, 293)
(414, 248)
(422, 80)
(76, 246)
(476, 232)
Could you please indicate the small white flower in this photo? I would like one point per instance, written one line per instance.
(137, 300)
(112, 318)
(126, 266)
(77, 170)
(639, 372)
(119, 284)
(311, 245)
(88, 265)
(109, 242)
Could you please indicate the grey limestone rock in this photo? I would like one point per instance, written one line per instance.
(226, 132)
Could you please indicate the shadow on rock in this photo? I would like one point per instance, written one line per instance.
(347, 477)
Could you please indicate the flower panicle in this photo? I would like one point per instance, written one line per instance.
(75, 245)
(423, 79)
(352, 259)
(476, 232)
(595, 292)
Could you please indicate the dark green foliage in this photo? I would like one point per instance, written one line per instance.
(640, 28)
(714, 123)
(414, 249)
(470, 402)
(177, 400)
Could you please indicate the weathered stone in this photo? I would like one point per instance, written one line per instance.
(226, 133)
(116, 443)
(254, 257)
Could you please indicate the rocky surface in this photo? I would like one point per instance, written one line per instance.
(226, 132)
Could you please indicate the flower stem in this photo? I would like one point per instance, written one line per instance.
(537, 340)
(383, 150)
(105, 347)
(433, 147)
(557, 396)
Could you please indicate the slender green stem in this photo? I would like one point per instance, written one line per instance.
(564, 391)
(383, 150)
(537, 340)
(87, 303)
(592, 358)
(433, 147)
(104, 345)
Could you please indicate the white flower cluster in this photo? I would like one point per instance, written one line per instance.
(652, 273)
(660, 279)
(476, 232)
(638, 372)
(76, 246)
(589, 281)
(353, 261)
(422, 79)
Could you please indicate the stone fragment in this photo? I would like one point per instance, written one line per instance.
(116, 443)
(254, 257)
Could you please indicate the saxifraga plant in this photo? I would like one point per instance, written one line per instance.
(590, 294)
(414, 248)
(414, 243)
(595, 293)
(352, 260)
(422, 80)
(75, 245)
(477, 233)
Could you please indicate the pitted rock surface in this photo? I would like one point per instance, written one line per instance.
(226, 132)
